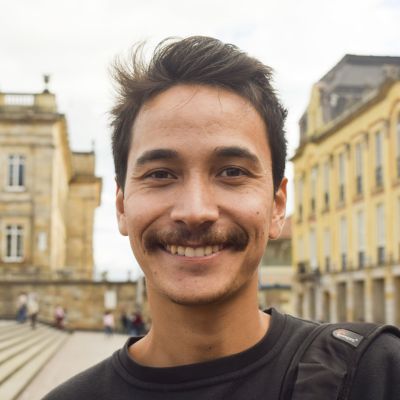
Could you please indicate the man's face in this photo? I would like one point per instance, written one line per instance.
(198, 203)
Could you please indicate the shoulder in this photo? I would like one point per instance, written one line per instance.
(378, 372)
(87, 385)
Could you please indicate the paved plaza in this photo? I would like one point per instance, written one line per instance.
(80, 351)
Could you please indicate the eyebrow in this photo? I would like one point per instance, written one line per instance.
(236, 152)
(156, 155)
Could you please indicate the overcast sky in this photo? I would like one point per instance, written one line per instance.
(75, 41)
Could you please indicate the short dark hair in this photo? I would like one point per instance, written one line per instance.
(194, 60)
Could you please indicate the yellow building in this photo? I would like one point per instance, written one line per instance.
(346, 228)
(275, 273)
(48, 194)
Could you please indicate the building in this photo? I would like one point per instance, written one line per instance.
(276, 272)
(346, 228)
(48, 194)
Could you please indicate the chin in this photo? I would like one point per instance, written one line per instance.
(193, 297)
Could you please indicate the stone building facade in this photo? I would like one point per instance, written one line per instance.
(346, 228)
(276, 272)
(48, 194)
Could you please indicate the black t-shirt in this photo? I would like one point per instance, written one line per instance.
(255, 374)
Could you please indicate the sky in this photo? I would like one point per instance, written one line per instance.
(75, 42)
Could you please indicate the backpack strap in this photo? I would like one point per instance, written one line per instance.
(325, 364)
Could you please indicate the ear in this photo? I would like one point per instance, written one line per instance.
(119, 203)
(278, 211)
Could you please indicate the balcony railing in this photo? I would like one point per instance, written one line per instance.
(40, 102)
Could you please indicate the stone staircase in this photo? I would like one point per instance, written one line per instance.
(23, 353)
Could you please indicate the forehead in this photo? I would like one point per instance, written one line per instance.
(194, 115)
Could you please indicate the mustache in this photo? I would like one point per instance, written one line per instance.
(234, 237)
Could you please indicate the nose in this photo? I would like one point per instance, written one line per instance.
(196, 204)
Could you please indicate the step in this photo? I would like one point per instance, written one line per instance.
(12, 365)
(20, 337)
(15, 384)
(26, 343)
(6, 333)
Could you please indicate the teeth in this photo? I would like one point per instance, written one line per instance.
(189, 252)
(193, 251)
(199, 251)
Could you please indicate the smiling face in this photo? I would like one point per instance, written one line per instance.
(198, 203)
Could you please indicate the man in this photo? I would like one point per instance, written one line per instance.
(199, 152)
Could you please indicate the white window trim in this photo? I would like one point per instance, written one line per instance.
(13, 258)
(16, 187)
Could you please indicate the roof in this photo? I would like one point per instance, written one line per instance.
(352, 79)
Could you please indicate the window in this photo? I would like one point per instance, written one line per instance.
(300, 198)
(301, 268)
(342, 177)
(326, 185)
(327, 249)
(14, 243)
(314, 177)
(313, 250)
(359, 166)
(360, 224)
(16, 171)
(380, 232)
(343, 243)
(379, 159)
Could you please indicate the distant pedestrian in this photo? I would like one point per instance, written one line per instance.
(108, 322)
(137, 324)
(33, 309)
(59, 316)
(125, 322)
(22, 307)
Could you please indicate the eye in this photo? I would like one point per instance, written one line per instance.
(160, 174)
(232, 172)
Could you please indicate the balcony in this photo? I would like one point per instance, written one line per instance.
(305, 273)
(34, 102)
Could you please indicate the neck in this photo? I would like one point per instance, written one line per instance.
(183, 335)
